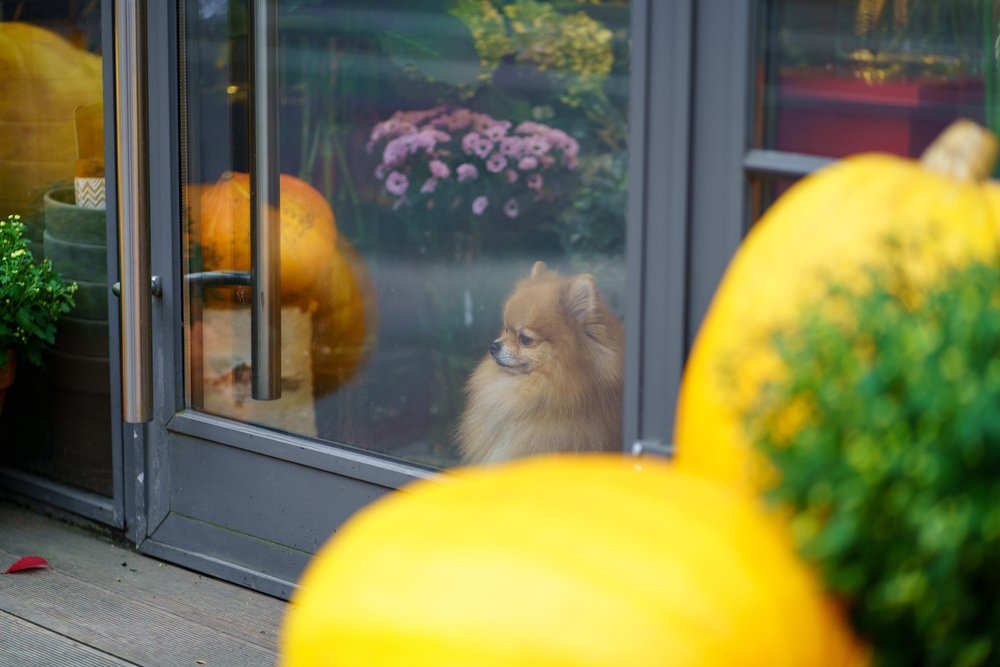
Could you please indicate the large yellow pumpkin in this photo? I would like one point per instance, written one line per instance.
(939, 212)
(308, 231)
(43, 79)
(574, 561)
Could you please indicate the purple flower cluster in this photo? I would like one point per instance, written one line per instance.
(460, 159)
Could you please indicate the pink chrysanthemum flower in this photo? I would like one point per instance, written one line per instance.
(511, 208)
(439, 169)
(396, 183)
(479, 204)
(466, 172)
(496, 163)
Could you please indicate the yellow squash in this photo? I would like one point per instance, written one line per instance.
(940, 212)
(567, 561)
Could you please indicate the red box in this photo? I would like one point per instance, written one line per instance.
(821, 112)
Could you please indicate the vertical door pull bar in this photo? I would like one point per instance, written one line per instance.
(133, 210)
(265, 204)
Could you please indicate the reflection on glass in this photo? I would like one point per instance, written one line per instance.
(764, 192)
(426, 164)
(844, 76)
(56, 418)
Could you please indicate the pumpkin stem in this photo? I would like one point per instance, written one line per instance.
(964, 151)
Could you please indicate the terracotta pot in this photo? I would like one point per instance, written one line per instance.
(7, 374)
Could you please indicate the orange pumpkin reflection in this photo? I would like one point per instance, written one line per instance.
(321, 274)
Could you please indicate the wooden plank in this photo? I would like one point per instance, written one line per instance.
(107, 597)
(27, 645)
(97, 560)
(122, 625)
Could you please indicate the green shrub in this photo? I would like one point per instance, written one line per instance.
(32, 296)
(892, 469)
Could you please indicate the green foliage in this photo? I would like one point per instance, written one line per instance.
(893, 467)
(574, 48)
(433, 43)
(32, 295)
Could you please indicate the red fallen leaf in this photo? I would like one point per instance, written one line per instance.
(27, 563)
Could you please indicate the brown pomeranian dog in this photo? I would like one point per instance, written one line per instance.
(552, 381)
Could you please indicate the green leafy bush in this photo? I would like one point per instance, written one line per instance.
(885, 433)
(32, 296)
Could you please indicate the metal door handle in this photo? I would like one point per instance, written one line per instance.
(265, 203)
(133, 209)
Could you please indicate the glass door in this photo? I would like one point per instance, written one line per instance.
(429, 154)
(400, 167)
(58, 429)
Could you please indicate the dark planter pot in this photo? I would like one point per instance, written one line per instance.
(77, 368)
(75, 239)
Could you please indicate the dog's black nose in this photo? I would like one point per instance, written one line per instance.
(495, 347)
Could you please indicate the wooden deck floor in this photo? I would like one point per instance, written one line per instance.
(102, 604)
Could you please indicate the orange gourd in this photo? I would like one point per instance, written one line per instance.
(345, 318)
(595, 560)
(308, 231)
(320, 271)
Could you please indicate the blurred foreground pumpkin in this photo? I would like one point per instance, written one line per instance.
(563, 560)
(320, 271)
(832, 227)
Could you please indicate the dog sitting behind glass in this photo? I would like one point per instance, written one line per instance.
(552, 381)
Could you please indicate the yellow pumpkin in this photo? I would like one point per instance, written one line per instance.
(829, 227)
(595, 560)
(308, 231)
(43, 79)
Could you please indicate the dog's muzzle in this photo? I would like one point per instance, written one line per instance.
(502, 355)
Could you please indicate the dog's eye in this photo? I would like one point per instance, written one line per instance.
(525, 340)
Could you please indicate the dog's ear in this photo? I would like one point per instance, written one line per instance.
(580, 297)
(538, 269)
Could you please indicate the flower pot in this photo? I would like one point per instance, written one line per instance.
(78, 373)
(7, 374)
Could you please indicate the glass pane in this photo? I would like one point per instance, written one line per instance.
(430, 154)
(838, 77)
(764, 192)
(56, 418)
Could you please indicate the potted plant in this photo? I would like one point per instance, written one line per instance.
(32, 298)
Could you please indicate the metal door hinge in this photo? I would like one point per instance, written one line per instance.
(652, 447)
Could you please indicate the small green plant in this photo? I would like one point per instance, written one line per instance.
(885, 434)
(32, 296)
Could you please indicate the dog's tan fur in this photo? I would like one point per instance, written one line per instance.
(553, 379)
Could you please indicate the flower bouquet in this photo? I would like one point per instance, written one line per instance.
(460, 169)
